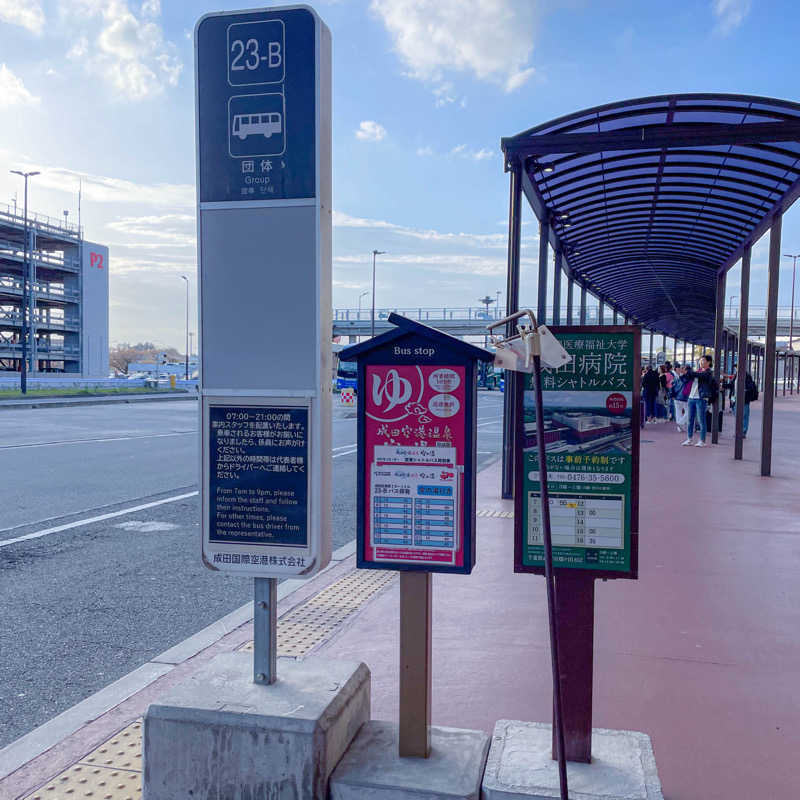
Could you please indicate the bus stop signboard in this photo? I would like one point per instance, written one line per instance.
(591, 410)
(416, 449)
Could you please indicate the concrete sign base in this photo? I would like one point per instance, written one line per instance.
(372, 770)
(520, 765)
(219, 735)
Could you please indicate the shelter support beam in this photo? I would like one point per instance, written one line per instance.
(582, 319)
(557, 288)
(719, 330)
(600, 312)
(512, 306)
(570, 299)
(544, 246)
(769, 344)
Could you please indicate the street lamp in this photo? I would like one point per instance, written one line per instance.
(187, 327)
(359, 303)
(23, 374)
(374, 254)
(730, 304)
(791, 318)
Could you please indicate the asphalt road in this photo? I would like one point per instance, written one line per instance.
(84, 606)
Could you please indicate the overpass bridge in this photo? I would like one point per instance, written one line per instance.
(472, 320)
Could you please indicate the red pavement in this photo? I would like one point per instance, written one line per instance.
(702, 652)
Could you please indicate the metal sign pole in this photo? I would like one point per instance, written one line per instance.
(548, 571)
(265, 630)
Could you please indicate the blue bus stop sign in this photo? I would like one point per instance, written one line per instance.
(256, 105)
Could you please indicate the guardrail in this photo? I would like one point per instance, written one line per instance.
(15, 215)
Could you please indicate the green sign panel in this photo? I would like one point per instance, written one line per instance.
(591, 433)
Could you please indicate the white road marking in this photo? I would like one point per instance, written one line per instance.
(493, 422)
(81, 522)
(89, 441)
(349, 452)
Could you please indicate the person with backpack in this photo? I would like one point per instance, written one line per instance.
(701, 392)
(750, 396)
(650, 387)
(680, 390)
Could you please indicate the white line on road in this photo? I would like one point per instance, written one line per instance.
(99, 518)
(493, 422)
(102, 439)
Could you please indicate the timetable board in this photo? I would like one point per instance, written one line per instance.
(591, 434)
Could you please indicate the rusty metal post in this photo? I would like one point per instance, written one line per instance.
(557, 289)
(544, 246)
(575, 620)
(415, 664)
(570, 299)
(719, 322)
(769, 345)
(741, 359)
(582, 318)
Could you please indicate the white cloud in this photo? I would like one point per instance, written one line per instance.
(462, 151)
(424, 151)
(460, 263)
(492, 39)
(730, 14)
(103, 189)
(342, 220)
(13, 91)
(25, 13)
(170, 230)
(127, 51)
(370, 131)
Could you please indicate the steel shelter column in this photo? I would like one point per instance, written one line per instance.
(512, 306)
(582, 318)
(600, 308)
(544, 246)
(557, 289)
(651, 348)
(769, 345)
(570, 288)
(684, 353)
(719, 322)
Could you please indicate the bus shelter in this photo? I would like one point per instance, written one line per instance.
(647, 204)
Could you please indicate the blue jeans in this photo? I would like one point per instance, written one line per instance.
(697, 413)
(746, 418)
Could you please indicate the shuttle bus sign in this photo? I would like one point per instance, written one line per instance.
(591, 430)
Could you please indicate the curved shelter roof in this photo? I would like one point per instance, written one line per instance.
(650, 199)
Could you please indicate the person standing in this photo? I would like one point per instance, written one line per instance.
(699, 394)
(650, 387)
(682, 388)
(750, 396)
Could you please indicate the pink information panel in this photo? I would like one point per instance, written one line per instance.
(415, 450)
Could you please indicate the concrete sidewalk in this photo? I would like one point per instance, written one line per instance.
(702, 652)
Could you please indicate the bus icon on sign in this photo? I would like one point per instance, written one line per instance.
(245, 125)
(257, 125)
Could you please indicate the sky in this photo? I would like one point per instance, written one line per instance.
(101, 92)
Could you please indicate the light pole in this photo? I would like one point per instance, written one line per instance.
(23, 374)
(731, 298)
(359, 303)
(374, 254)
(497, 307)
(187, 327)
(791, 318)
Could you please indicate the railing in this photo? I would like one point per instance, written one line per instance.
(45, 258)
(16, 216)
(51, 291)
(478, 314)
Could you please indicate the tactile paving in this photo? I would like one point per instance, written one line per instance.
(496, 513)
(98, 783)
(113, 771)
(314, 620)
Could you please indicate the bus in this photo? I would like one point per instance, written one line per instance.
(245, 125)
(347, 375)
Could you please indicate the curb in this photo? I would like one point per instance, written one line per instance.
(24, 750)
(94, 401)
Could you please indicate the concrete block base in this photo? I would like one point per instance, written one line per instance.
(372, 770)
(219, 736)
(520, 765)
